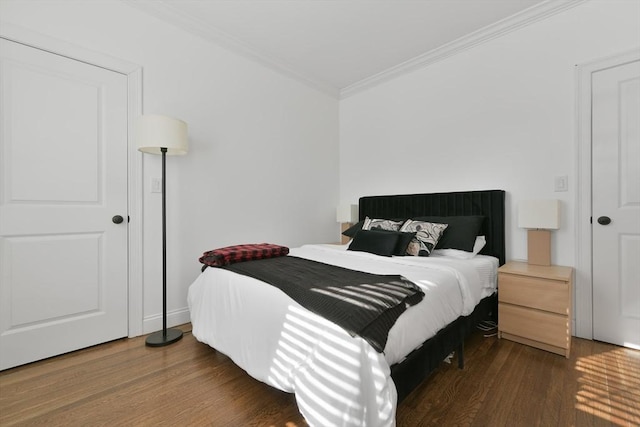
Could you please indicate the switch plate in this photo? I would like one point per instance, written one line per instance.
(562, 183)
(156, 185)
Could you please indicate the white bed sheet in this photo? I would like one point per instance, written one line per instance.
(337, 379)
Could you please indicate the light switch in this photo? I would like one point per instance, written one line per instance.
(562, 183)
(156, 185)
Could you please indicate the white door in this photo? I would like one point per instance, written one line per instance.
(616, 196)
(63, 176)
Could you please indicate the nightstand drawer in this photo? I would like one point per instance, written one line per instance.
(542, 294)
(548, 328)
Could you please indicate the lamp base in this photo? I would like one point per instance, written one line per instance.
(160, 339)
(539, 247)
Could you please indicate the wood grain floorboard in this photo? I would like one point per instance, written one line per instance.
(125, 383)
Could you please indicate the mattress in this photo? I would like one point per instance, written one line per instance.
(337, 379)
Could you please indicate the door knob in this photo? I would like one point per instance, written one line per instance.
(604, 220)
(117, 219)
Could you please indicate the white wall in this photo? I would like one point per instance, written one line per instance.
(263, 160)
(498, 116)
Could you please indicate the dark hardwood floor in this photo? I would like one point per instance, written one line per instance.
(125, 383)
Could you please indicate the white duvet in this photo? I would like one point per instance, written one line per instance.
(338, 380)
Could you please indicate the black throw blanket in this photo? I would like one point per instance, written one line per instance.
(363, 304)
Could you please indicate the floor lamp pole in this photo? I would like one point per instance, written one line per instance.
(166, 336)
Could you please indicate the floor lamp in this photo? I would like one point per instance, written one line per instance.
(156, 134)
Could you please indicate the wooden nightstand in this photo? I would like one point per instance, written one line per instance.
(534, 305)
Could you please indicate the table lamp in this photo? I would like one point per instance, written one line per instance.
(539, 216)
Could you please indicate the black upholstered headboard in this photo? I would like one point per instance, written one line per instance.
(489, 203)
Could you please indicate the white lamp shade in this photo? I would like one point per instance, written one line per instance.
(347, 213)
(542, 214)
(153, 132)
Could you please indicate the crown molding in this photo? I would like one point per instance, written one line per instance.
(519, 20)
(173, 15)
(177, 17)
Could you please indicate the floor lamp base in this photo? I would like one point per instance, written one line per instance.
(159, 339)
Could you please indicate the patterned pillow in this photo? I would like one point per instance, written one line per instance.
(427, 236)
(383, 224)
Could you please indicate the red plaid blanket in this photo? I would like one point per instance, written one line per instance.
(238, 253)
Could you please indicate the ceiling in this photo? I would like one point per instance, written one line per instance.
(341, 46)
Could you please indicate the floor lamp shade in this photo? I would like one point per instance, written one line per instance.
(154, 132)
(539, 216)
(157, 134)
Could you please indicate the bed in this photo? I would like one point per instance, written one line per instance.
(338, 378)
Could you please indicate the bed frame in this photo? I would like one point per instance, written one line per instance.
(417, 366)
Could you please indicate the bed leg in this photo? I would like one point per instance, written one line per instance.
(461, 356)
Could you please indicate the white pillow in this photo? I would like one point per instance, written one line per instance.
(457, 253)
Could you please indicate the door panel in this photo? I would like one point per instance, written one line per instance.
(616, 194)
(38, 294)
(63, 158)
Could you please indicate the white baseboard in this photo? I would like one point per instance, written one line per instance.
(174, 318)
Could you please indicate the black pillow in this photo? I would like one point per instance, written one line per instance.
(403, 242)
(374, 242)
(404, 238)
(351, 231)
(365, 242)
(460, 234)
